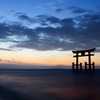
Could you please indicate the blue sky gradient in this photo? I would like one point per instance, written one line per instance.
(49, 25)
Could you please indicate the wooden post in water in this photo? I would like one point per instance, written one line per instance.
(85, 66)
(93, 66)
(81, 67)
(89, 60)
(72, 67)
(76, 62)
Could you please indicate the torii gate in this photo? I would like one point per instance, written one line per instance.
(82, 53)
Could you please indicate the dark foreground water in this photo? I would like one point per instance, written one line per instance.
(50, 84)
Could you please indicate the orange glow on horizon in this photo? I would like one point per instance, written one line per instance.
(43, 57)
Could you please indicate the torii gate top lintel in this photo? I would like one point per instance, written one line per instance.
(80, 51)
(83, 52)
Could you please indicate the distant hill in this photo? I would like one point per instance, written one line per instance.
(61, 67)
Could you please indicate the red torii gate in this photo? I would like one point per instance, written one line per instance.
(82, 53)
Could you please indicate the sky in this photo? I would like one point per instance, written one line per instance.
(43, 33)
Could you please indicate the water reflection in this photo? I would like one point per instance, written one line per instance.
(56, 85)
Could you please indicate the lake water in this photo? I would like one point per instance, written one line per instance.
(52, 84)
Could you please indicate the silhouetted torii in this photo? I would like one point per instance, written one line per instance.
(82, 53)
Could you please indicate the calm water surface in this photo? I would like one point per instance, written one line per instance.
(53, 84)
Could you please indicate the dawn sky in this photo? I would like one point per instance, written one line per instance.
(44, 32)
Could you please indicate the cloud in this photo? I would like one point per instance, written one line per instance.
(77, 10)
(1, 17)
(40, 7)
(11, 61)
(24, 17)
(71, 9)
(59, 10)
(5, 49)
(98, 8)
(9, 11)
(39, 19)
(0, 59)
(53, 33)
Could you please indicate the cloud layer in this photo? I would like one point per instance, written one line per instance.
(46, 32)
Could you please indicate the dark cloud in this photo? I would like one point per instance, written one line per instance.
(6, 49)
(52, 19)
(59, 10)
(24, 17)
(81, 32)
(98, 7)
(39, 19)
(77, 10)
